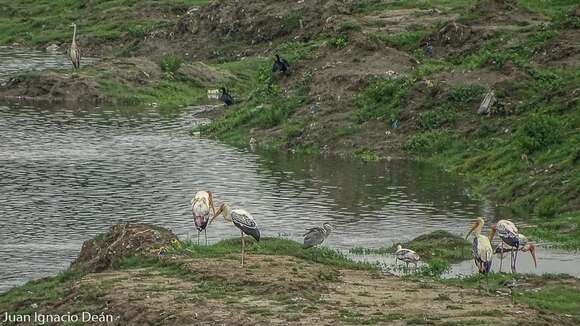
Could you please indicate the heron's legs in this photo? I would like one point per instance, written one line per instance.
(501, 257)
(205, 232)
(243, 245)
(198, 237)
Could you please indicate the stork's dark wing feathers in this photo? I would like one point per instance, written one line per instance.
(314, 237)
(246, 224)
(314, 229)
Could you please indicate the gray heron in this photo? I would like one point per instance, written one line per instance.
(74, 52)
(242, 220)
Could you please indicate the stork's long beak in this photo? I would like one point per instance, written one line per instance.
(471, 230)
(533, 253)
(492, 232)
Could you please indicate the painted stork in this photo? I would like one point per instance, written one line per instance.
(74, 52)
(509, 235)
(201, 208)
(281, 65)
(226, 97)
(482, 251)
(242, 220)
(406, 255)
(315, 236)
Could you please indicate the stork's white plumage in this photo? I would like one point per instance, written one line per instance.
(406, 255)
(202, 209)
(243, 220)
(481, 249)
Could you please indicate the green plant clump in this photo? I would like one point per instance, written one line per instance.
(382, 99)
(539, 131)
(170, 64)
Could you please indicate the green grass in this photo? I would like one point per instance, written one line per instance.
(407, 41)
(271, 246)
(562, 299)
(429, 142)
(39, 22)
(545, 292)
(563, 231)
(382, 99)
(48, 289)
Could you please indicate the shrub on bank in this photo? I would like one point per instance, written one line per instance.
(539, 132)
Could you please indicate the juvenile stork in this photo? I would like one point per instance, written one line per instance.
(280, 65)
(74, 52)
(482, 251)
(509, 235)
(242, 220)
(406, 255)
(201, 208)
(315, 236)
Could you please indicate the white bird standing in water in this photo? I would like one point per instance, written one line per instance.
(482, 251)
(74, 52)
(509, 235)
(201, 208)
(406, 255)
(242, 220)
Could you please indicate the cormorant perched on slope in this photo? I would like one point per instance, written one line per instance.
(428, 48)
(281, 65)
(226, 97)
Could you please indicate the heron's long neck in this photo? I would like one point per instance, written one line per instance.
(74, 33)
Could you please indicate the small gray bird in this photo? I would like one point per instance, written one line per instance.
(316, 236)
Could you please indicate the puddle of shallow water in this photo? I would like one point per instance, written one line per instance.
(550, 261)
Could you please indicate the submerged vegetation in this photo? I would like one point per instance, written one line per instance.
(438, 247)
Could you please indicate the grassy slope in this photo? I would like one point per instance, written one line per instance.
(525, 155)
(99, 20)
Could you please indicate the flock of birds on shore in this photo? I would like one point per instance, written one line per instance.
(202, 207)
(204, 213)
(280, 66)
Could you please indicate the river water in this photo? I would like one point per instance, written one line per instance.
(67, 175)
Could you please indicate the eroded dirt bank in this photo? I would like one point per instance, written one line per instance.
(147, 277)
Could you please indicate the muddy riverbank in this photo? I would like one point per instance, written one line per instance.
(175, 282)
